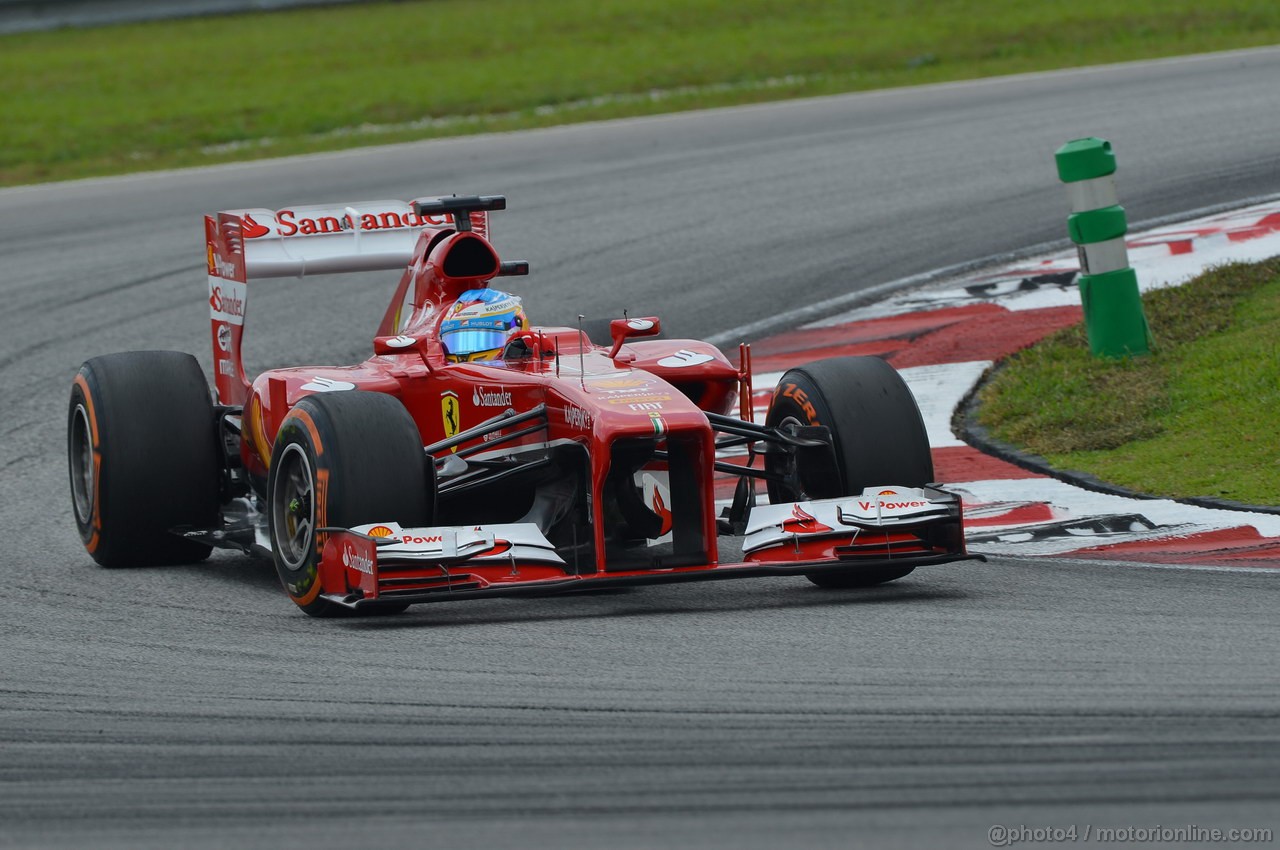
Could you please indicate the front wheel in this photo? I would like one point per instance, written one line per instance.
(877, 434)
(340, 460)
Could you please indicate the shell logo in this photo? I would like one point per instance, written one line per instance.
(379, 531)
(660, 508)
(887, 493)
(803, 522)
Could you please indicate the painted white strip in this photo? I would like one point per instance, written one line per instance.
(1095, 194)
(1170, 518)
(767, 381)
(1081, 502)
(938, 391)
(1025, 541)
(1012, 283)
(1104, 257)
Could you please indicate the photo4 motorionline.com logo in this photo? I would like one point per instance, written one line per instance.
(1003, 835)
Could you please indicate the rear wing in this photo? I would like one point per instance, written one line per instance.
(253, 244)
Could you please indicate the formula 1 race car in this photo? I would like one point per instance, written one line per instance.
(553, 463)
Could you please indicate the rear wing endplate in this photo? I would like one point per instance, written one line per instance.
(252, 244)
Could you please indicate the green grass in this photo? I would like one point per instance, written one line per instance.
(197, 91)
(1200, 416)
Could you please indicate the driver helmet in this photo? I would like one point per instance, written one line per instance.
(478, 324)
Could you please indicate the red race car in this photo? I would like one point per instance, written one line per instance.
(473, 455)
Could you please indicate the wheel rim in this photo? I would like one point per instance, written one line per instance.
(83, 467)
(796, 494)
(293, 510)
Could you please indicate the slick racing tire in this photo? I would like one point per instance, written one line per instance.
(876, 431)
(142, 451)
(342, 459)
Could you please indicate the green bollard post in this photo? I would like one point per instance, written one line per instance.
(1113, 315)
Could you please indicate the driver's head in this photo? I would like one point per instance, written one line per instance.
(476, 327)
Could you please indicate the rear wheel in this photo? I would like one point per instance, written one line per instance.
(342, 459)
(143, 457)
(877, 433)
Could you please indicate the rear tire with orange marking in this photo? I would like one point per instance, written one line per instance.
(143, 457)
(877, 433)
(342, 459)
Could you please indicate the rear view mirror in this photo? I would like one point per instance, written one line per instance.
(622, 330)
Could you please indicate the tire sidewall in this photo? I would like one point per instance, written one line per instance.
(367, 465)
(877, 434)
(877, 431)
(797, 397)
(90, 526)
(303, 583)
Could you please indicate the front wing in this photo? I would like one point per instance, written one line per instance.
(384, 564)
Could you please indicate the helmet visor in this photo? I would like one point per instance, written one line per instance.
(465, 341)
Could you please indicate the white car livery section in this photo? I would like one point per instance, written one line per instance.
(520, 542)
(770, 525)
(322, 239)
(685, 358)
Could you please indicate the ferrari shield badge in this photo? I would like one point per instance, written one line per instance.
(449, 411)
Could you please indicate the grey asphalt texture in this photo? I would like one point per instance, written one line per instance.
(195, 707)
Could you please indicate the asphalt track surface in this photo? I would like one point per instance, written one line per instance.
(195, 707)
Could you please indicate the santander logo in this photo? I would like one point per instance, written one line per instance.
(290, 223)
(353, 559)
(228, 304)
(481, 397)
(252, 230)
